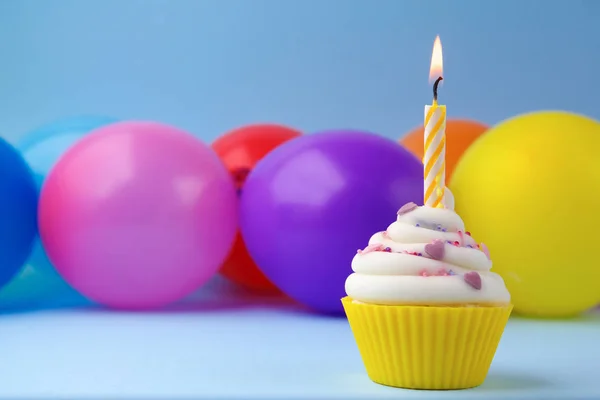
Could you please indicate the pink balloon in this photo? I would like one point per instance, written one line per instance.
(138, 215)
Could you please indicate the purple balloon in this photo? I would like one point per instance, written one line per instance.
(138, 215)
(310, 204)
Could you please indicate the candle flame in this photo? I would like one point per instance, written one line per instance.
(437, 61)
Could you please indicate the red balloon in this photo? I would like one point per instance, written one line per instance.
(240, 150)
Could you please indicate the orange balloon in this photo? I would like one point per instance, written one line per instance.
(240, 150)
(460, 134)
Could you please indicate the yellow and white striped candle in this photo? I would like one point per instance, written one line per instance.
(434, 160)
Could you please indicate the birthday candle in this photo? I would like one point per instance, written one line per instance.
(434, 160)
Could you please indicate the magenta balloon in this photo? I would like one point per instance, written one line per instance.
(312, 202)
(138, 215)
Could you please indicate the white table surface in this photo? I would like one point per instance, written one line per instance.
(260, 349)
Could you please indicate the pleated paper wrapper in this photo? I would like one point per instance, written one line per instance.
(419, 347)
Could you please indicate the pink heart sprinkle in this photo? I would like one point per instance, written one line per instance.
(408, 207)
(436, 249)
(473, 279)
(370, 248)
(485, 250)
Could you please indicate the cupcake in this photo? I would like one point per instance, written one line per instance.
(424, 307)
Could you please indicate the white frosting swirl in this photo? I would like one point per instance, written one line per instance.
(398, 267)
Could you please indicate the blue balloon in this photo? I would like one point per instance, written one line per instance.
(74, 126)
(18, 212)
(38, 284)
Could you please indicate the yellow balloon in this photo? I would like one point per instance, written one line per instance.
(529, 188)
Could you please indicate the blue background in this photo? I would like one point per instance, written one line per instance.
(212, 65)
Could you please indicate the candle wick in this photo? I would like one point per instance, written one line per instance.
(435, 88)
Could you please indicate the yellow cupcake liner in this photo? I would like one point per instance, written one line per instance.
(419, 347)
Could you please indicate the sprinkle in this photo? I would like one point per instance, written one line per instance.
(449, 242)
(451, 273)
(443, 229)
(473, 279)
(485, 250)
(460, 237)
(387, 249)
(435, 249)
(469, 246)
(385, 234)
(439, 227)
(442, 272)
(370, 248)
(468, 233)
(420, 254)
(424, 273)
(456, 243)
(417, 225)
(408, 207)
